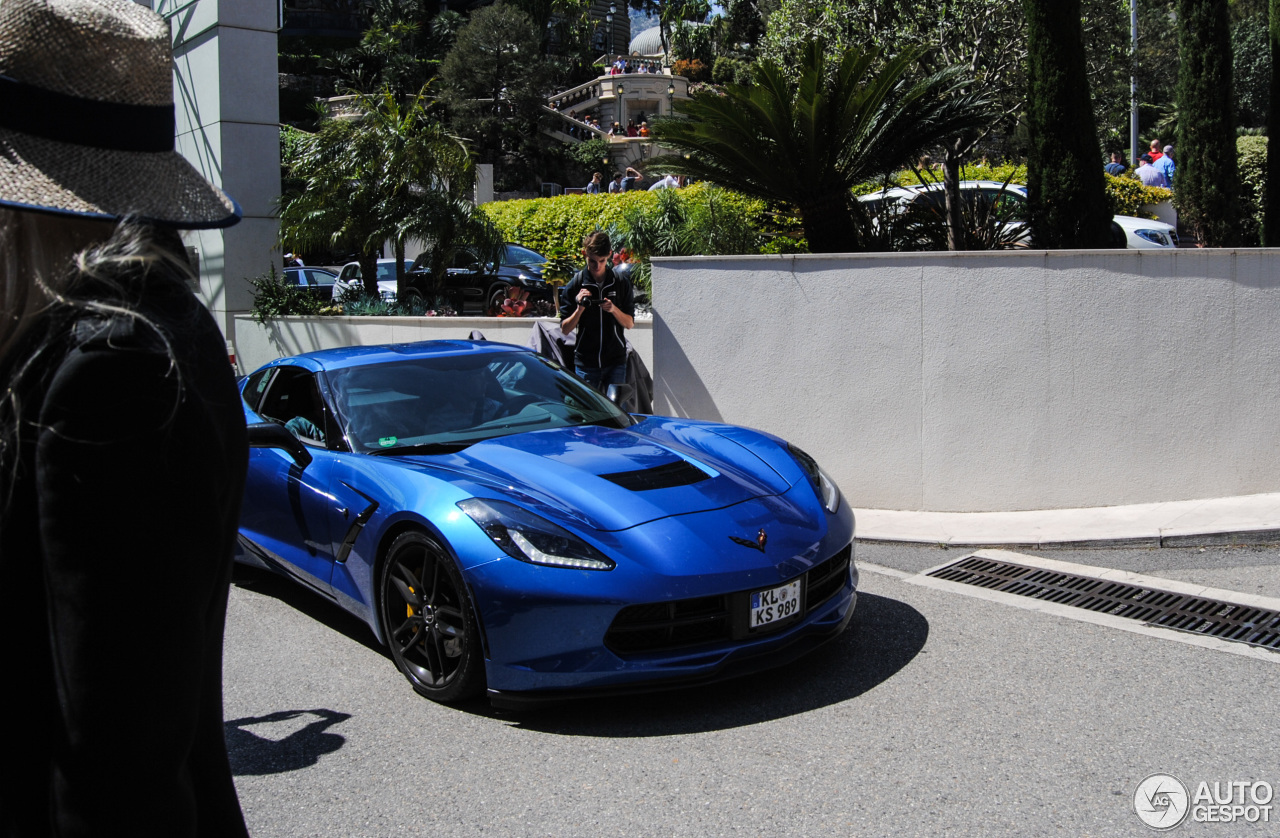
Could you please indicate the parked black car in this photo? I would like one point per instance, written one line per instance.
(475, 287)
(318, 281)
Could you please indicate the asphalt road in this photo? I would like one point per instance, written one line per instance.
(936, 714)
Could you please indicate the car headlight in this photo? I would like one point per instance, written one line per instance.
(531, 538)
(826, 488)
(1154, 236)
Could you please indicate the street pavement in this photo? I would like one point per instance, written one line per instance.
(937, 713)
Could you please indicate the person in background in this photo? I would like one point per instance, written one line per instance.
(1155, 152)
(1150, 175)
(1116, 167)
(1166, 165)
(123, 447)
(632, 180)
(615, 185)
(600, 306)
(596, 186)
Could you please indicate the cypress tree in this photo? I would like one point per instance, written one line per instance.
(1271, 197)
(1207, 190)
(1067, 201)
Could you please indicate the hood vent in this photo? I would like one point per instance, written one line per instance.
(679, 473)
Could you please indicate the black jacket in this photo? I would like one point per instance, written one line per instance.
(115, 563)
(601, 340)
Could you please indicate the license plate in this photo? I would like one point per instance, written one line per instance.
(774, 604)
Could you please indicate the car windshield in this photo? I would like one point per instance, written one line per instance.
(445, 403)
(514, 254)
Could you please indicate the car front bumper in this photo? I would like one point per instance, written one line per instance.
(548, 630)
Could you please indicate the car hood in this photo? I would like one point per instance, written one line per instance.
(613, 479)
(533, 271)
(1128, 222)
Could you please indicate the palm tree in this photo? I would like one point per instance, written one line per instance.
(428, 179)
(808, 145)
(392, 173)
(335, 205)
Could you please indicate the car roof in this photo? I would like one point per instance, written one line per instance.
(976, 184)
(382, 262)
(359, 356)
(908, 191)
(891, 192)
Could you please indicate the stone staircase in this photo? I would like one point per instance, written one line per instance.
(614, 98)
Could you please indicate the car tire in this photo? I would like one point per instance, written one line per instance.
(428, 620)
(413, 295)
(497, 294)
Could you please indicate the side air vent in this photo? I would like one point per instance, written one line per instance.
(679, 473)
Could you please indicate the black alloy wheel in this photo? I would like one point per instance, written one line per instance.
(428, 620)
(497, 294)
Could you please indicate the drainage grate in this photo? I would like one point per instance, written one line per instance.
(1193, 614)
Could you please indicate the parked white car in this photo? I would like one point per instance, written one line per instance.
(350, 277)
(1140, 233)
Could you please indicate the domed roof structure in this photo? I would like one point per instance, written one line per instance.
(648, 43)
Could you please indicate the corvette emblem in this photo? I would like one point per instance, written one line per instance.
(761, 540)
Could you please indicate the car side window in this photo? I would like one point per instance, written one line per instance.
(293, 400)
(319, 279)
(256, 386)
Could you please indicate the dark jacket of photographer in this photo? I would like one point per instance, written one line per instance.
(601, 340)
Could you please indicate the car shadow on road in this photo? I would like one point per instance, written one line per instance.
(281, 745)
(883, 637)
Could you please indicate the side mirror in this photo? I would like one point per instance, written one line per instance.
(271, 435)
(621, 395)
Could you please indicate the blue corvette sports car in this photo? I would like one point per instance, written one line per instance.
(499, 524)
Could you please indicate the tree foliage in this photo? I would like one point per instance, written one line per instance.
(1251, 69)
(400, 49)
(809, 144)
(392, 173)
(494, 82)
(1067, 206)
(1208, 183)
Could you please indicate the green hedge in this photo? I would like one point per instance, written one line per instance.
(1128, 195)
(556, 226)
(1251, 154)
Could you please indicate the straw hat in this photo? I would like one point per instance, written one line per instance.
(87, 119)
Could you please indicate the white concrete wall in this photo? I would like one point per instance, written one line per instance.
(259, 343)
(978, 382)
(226, 93)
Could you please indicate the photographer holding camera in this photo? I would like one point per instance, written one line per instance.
(600, 306)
